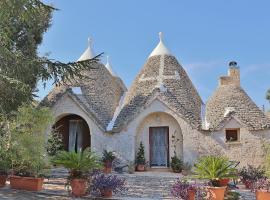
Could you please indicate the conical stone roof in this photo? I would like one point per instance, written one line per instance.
(164, 78)
(230, 100)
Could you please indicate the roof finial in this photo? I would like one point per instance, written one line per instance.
(160, 36)
(90, 41)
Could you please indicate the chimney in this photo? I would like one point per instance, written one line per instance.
(233, 77)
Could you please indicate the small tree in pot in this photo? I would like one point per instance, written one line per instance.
(27, 143)
(108, 158)
(105, 185)
(176, 164)
(80, 165)
(214, 169)
(140, 159)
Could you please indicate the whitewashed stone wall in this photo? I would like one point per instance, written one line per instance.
(249, 149)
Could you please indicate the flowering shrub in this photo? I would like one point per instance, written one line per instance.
(251, 173)
(261, 184)
(181, 188)
(102, 181)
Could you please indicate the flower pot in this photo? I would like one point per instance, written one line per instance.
(26, 183)
(262, 195)
(247, 183)
(78, 187)
(140, 168)
(3, 179)
(107, 193)
(191, 194)
(107, 167)
(223, 182)
(184, 172)
(177, 170)
(216, 193)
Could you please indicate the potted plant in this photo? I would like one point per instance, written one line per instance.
(105, 185)
(182, 189)
(140, 159)
(176, 164)
(107, 158)
(262, 189)
(251, 174)
(79, 164)
(27, 147)
(214, 168)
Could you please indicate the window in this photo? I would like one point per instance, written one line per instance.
(232, 135)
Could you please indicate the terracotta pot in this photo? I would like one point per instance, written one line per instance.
(247, 183)
(216, 193)
(107, 193)
(223, 182)
(26, 183)
(107, 167)
(140, 168)
(3, 179)
(191, 194)
(78, 187)
(262, 195)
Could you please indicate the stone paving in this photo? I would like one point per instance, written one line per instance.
(143, 186)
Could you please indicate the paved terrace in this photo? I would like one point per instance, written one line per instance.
(141, 186)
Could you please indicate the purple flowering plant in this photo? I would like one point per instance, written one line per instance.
(180, 189)
(101, 181)
(261, 184)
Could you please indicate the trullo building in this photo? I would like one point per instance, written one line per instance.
(163, 110)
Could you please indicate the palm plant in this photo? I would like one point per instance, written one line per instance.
(108, 156)
(214, 168)
(78, 163)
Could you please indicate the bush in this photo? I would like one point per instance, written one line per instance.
(251, 173)
(214, 168)
(100, 181)
(140, 159)
(54, 143)
(176, 164)
(27, 141)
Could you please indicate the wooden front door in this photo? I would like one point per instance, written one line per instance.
(159, 146)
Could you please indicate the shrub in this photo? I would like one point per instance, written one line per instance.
(214, 168)
(251, 173)
(100, 181)
(176, 164)
(180, 189)
(79, 164)
(54, 143)
(27, 141)
(261, 184)
(140, 159)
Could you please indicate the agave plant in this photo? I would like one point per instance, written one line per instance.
(214, 168)
(108, 156)
(78, 163)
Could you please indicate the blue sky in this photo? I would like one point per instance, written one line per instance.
(203, 35)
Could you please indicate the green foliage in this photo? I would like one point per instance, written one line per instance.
(54, 143)
(108, 156)
(22, 25)
(27, 141)
(266, 147)
(214, 168)
(79, 164)
(232, 195)
(5, 161)
(140, 158)
(251, 173)
(176, 164)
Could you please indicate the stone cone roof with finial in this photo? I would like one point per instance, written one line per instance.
(231, 101)
(101, 91)
(164, 78)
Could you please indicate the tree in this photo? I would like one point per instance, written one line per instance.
(22, 25)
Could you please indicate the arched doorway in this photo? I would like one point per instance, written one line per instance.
(162, 137)
(75, 132)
